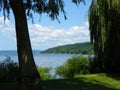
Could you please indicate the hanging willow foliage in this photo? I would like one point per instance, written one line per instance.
(104, 20)
(52, 7)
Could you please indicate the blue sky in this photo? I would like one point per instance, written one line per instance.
(45, 33)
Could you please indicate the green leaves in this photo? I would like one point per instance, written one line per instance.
(78, 48)
(44, 73)
(5, 7)
(103, 19)
(52, 7)
(78, 1)
(73, 66)
(9, 70)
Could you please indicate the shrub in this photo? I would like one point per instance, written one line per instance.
(44, 73)
(73, 66)
(9, 70)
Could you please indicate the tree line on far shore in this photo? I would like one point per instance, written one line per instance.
(77, 48)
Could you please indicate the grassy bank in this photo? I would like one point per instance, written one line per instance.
(80, 82)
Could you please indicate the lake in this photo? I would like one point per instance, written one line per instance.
(41, 60)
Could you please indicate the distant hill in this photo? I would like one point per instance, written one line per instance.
(77, 48)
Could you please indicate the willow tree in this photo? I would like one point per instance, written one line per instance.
(104, 21)
(21, 9)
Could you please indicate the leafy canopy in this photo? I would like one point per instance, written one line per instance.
(51, 7)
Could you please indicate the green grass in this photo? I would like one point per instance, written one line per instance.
(102, 80)
(84, 82)
(9, 86)
(80, 82)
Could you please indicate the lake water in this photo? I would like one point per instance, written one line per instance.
(41, 60)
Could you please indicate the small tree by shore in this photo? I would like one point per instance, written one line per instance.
(73, 66)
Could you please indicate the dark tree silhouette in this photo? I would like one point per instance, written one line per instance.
(21, 9)
(104, 20)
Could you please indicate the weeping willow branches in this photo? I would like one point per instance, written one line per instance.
(52, 7)
(104, 20)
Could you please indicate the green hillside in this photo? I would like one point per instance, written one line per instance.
(78, 48)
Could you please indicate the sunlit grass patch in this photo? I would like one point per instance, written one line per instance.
(101, 79)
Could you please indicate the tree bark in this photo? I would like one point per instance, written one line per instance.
(30, 77)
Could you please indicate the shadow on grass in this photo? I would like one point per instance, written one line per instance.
(73, 84)
(63, 84)
(114, 76)
(9, 86)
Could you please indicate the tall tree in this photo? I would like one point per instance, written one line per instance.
(21, 9)
(105, 33)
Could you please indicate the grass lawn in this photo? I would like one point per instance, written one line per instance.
(80, 82)
(9, 86)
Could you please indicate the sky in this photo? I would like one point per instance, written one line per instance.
(45, 33)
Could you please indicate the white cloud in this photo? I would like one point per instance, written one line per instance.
(43, 37)
(53, 36)
(7, 28)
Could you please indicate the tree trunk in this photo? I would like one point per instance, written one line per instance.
(30, 78)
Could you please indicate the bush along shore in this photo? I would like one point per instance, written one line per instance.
(75, 74)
